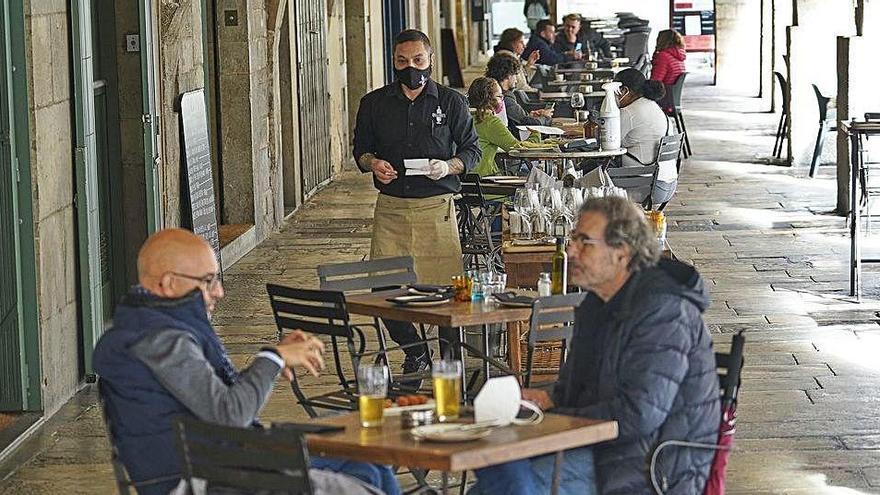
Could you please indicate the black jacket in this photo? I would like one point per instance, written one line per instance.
(645, 359)
(548, 55)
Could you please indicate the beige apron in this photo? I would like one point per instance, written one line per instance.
(424, 228)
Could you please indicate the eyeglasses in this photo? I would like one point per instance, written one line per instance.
(583, 240)
(211, 281)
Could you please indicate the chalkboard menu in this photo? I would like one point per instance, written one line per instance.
(198, 180)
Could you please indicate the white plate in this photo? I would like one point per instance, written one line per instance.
(396, 410)
(448, 433)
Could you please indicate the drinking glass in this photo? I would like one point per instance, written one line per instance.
(372, 387)
(447, 388)
(461, 287)
(577, 102)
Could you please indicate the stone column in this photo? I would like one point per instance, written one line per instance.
(738, 45)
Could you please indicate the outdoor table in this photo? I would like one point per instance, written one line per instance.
(856, 130)
(390, 444)
(454, 314)
(578, 82)
(583, 70)
(566, 96)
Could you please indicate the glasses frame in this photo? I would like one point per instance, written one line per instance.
(583, 240)
(211, 280)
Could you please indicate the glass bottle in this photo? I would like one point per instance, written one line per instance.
(544, 285)
(591, 127)
(559, 275)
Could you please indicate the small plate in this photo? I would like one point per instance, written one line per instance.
(421, 300)
(513, 304)
(449, 433)
(396, 410)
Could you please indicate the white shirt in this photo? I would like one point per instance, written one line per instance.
(642, 124)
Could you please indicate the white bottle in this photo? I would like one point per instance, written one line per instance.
(609, 119)
(544, 285)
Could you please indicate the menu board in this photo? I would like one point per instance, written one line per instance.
(198, 180)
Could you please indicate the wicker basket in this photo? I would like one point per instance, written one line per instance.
(546, 358)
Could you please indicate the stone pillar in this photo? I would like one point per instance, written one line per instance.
(738, 45)
(337, 87)
(812, 48)
(856, 91)
(364, 51)
(48, 58)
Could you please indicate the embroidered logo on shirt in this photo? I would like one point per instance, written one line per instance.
(438, 116)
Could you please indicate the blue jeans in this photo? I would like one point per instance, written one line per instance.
(382, 477)
(535, 476)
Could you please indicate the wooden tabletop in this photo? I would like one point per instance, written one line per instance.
(581, 70)
(389, 444)
(453, 314)
(550, 154)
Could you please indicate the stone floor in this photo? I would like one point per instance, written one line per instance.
(762, 236)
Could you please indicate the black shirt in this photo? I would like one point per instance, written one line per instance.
(436, 124)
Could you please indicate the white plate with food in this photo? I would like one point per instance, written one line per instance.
(451, 432)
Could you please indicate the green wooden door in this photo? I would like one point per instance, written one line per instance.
(12, 365)
(150, 116)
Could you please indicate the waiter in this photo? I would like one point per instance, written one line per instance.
(418, 125)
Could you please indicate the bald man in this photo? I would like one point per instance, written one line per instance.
(162, 359)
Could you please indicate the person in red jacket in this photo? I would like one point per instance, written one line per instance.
(669, 55)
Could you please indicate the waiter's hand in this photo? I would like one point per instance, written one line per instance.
(438, 169)
(383, 171)
(533, 57)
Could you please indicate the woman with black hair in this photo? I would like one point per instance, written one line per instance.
(642, 124)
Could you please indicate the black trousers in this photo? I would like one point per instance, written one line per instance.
(404, 333)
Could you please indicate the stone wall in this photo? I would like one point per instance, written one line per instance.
(364, 48)
(51, 106)
(812, 48)
(181, 69)
(738, 45)
(337, 85)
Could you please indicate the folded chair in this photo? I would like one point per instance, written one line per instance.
(729, 377)
(274, 461)
(480, 247)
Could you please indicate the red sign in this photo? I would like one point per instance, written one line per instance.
(701, 43)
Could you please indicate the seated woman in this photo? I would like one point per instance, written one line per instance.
(512, 43)
(486, 98)
(669, 55)
(504, 68)
(642, 124)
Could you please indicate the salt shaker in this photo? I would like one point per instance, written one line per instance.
(544, 285)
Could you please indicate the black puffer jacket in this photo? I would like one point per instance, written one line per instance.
(645, 359)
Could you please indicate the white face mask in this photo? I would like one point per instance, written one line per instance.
(499, 401)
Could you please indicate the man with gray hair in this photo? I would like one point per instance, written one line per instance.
(640, 355)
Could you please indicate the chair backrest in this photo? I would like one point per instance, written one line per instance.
(636, 43)
(275, 460)
(638, 181)
(552, 320)
(872, 116)
(729, 367)
(318, 312)
(676, 89)
(783, 87)
(822, 102)
(669, 148)
(471, 192)
(364, 275)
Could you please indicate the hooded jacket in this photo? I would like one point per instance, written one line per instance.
(645, 359)
(668, 64)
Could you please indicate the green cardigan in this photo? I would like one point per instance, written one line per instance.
(493, 134)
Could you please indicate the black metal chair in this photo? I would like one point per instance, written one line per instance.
(480, 246)
(638, 182)
(782, 128)
(827, 122)
(671, 105)
(123, 482)
(729, 366)
(552, 322)
(324, 314)
(274, 460)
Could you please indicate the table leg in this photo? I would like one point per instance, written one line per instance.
(444, 488)
(855, 263)
(486, 351)
(462, 355)
(557, 472)
(514, 356)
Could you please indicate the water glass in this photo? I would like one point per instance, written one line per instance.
(446, 376)
(372, 387)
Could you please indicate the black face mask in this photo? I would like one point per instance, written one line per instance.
(413, 78)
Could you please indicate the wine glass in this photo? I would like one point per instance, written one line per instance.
(577, 102)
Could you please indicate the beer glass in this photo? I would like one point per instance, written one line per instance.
(447, 388)
(372, 387)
